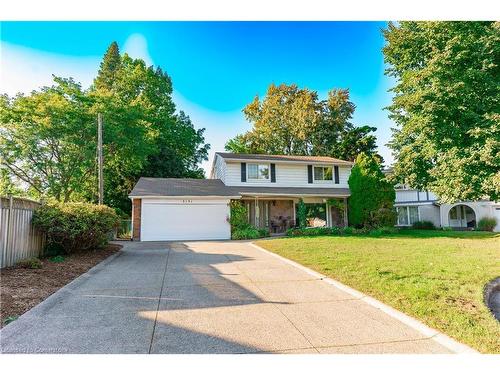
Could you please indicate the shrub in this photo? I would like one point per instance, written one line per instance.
(348, 231)
(336, 231)
(57, 259)
(238, 218)
(263, 232)
(240, 228)
(424, 224)
(372, 196)
(383, 231)
(487, 224)
(317, 231)
(249, 233)
(75, 226)
(301, 214)
(32, 263)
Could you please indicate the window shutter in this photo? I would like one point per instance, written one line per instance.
(273, 172)
(243, 172)
(310, 174)
(336, 172)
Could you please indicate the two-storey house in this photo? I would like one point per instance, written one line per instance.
(270, 186)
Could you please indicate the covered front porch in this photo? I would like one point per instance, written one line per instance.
(279, 213)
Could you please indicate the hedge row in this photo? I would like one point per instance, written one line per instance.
(340, 231)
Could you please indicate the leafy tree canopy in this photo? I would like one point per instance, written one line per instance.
(291, 120)
(48, 138)
(372, 196)
(446, 107)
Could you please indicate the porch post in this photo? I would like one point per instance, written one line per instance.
(256, 203)
(328, 216)
(346, 224)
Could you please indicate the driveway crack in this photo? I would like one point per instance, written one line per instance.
(159, 301)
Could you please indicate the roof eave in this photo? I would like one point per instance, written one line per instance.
(347, 163)
(186, 196)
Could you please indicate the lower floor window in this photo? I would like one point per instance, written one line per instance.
(407, 215)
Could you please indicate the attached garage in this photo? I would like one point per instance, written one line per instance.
(186, 219)
(171, 209)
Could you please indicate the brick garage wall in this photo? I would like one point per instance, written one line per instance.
(136, 225)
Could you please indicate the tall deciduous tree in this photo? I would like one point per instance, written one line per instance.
(372, 196)
(48, 138)
(446, 107)
(291, 120)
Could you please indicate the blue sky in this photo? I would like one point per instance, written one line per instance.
(216, 67)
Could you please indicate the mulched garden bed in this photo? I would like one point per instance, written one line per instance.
(23, 288)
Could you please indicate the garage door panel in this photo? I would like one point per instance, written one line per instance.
(172, 222)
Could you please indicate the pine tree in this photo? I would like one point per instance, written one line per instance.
(109, 67)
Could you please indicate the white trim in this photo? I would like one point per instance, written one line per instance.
(417, 325)
(412, 203)
(323, 181)
(185, 196)
(341, 162)
(259, 179)
(293, 195)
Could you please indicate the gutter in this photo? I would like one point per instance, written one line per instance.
(185, 196)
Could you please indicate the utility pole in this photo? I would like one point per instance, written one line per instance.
(99, 158)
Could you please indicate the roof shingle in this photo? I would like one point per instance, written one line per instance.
(172, 187)
(300, 158)
(150, 186)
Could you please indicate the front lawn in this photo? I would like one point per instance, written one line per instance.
(434, 276)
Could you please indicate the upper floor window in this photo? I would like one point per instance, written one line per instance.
(258, 171)
(323, 173)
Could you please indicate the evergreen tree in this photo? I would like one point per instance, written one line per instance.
(372, 196)
(110, 65)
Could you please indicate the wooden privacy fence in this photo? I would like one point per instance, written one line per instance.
(18, 238)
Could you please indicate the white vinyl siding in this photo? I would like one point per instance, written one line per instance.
(287, 175)
(411, 195)
(220, 168)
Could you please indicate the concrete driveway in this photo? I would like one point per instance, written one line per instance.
(207, 297)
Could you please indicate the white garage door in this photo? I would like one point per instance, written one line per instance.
(184, 221)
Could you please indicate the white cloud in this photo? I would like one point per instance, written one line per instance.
(136, 46)
(25, 69)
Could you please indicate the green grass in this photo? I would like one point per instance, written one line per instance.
(435, 276)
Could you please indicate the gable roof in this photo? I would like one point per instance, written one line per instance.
(286, 158)
(159, 187)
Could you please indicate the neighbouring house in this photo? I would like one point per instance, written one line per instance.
(270, 187)
(413, 205)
